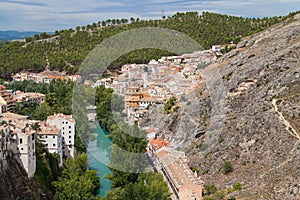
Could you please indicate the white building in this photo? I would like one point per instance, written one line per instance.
(66, 124)
(51, 137)
(23, 140)
(26, 146)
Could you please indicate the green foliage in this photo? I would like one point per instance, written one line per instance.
(73, 47)
(25, 108)
(168, 106)
(126, 185)
(202, 146)
(237, 186)
(103, 102)
(58, 98)
(219, 195)
(220, 140)
(210, 189)
(148, 186)
(176, 108)
(47, 166)
(227, 167)
(80, 148)
(196, 169)
(77, 182)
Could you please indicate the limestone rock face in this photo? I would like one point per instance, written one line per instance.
(248, 113)
(15, 184)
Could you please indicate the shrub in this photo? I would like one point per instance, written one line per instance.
(207, 198)
(202, 146)
(196, 169)
(227, 167)
(219, 195)
(210, 189)
(237, 186)
(221, 139)
(176, 109)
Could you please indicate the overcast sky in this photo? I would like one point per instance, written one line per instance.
(51, 15)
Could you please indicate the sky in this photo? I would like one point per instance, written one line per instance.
(51, 15)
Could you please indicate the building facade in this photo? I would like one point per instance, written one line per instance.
(66, 124)
(51, 137)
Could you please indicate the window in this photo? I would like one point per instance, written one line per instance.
(63, 132)
(69, 131)
(63, 128)
(33, 146)
(70, 136)
(54, 144)
(21, 140)
(69, 127)
(54, 137)
(21, 149)
(32, 136)
(46, 136)
(70, 141)
(66, 122)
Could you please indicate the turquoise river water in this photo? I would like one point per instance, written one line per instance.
(98, 157)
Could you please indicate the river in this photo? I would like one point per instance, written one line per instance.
(98, 157)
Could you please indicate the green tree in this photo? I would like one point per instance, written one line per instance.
(76, 182)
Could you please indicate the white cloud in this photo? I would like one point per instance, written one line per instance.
(51, 15)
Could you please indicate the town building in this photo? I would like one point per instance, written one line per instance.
(23, 140)
(8, 98)
(51, 137)
(66, 124)
(44, 77)
(29, 97)
(173, 164)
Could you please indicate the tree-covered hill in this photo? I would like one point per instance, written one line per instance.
(66, 49)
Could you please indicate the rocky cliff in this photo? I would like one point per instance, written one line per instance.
(15, 185)
(245, 113)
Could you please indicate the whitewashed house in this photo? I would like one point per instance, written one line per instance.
(24, 150)
(51, 137)
(66, 124)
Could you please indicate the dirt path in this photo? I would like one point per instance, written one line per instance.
(289, 127)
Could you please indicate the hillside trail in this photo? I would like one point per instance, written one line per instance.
(289, 127)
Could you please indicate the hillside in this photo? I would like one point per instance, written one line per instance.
(248, 120)
(66, 49)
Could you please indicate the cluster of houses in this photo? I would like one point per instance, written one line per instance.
(44, 77)
(18, 134)
(141, 85)
(9, 98)
(144, 84)
(183, 182)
